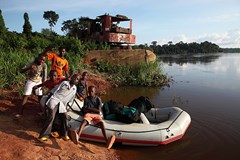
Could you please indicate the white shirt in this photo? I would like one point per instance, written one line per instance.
(40, 74)
(62, 94)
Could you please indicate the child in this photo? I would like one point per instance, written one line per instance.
(52, 82)
(91, 107)
(82, 87)
(59, 62)
(37, 73)
(61, 95)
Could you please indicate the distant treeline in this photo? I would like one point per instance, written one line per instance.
(182, 48)
(231, 50)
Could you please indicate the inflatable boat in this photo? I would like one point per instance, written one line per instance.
(158, 126)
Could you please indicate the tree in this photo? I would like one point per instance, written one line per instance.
(71, 27)
(154, 46)
(46, 32)
(27, 27)
(170, 43)
(3, 29)
(75, 27)
(52, 18)
(154, 43)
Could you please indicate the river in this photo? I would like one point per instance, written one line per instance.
(207, 86)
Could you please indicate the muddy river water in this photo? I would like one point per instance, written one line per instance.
(208, 88)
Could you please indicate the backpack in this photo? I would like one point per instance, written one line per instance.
(110, 108)
(142, 104)
(128, 115)
(116, 111)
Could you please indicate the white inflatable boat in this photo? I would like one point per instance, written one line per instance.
(159, 126)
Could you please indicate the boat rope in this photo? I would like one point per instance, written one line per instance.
(75, 111)
(175, 119)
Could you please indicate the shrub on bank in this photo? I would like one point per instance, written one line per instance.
(16, 50)
(12, 61)
(143, 74)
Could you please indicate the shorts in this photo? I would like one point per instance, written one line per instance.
(96, 118)
(28, 89)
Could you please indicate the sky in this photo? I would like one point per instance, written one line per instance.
(216, 21)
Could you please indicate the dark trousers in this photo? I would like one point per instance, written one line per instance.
(48, 124)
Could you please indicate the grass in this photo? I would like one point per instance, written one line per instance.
(11, 63)
(142, 74)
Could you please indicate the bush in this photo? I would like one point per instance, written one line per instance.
(16, 50)
(37, 43)
(142, 74)
(14, 41)
(75, 62)
(11, 63)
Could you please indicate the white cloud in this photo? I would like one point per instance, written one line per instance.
(220, 67)
(229, 39)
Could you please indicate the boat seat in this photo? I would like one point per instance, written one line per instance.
(144, 119)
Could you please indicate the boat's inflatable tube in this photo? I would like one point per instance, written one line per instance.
(160, 126)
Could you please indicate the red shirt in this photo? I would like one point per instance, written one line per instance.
(51, 84)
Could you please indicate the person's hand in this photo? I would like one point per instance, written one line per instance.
(34, 67)
(35, 87)
(81, 98)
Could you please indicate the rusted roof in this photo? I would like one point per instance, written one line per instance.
(116, 18)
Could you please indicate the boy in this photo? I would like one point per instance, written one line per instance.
(91, 108)
(37, 73)
(82, 87)
(52, 82)
(59, 62)
(61, 95)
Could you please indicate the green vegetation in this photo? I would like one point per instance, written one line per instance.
(75, 27)
(27, 27)
(231, 50)
(12, 61)
(18, 49)
(182, 48)
(52, 18)
(2, 25)
(143, 74)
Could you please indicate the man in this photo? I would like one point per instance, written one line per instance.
(91, 108)
(61, 95)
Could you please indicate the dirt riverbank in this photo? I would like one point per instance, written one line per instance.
(18, 138)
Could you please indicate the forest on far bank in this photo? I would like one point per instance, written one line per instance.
(186, 48)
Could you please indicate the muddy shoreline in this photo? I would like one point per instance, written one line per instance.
(18, 138)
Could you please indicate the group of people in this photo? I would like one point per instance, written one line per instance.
(62, 88)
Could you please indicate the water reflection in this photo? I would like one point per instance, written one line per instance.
(189, 58)
(222, 73)
(126, 94)
(207, 87)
